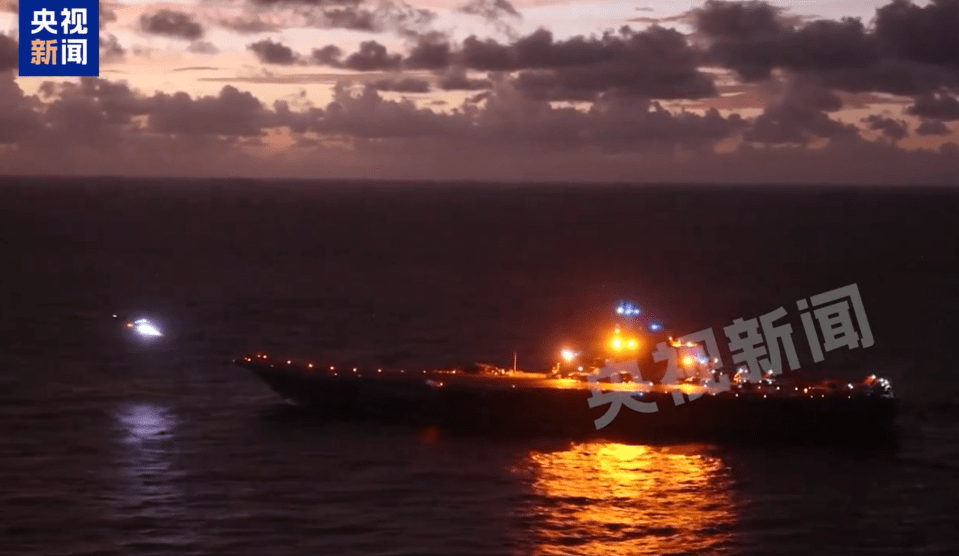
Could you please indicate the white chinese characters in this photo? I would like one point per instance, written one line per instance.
(75, 17)
(752, 347)
(74, 51)
(614, 399)
(763, 345)
(837, 325)
(760, 351)
(44, 20)
(73, 45)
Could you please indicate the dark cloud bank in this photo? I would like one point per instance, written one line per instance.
(510, 129)
(171, 23)
(374, 16)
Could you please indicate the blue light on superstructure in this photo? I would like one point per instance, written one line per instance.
(627, 309)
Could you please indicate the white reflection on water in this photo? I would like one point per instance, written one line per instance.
(616, 499)
(145, 422)
(148, 482)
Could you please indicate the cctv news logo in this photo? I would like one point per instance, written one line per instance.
(59, 38)
(755, 342)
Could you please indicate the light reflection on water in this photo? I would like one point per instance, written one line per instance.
(148, 485)
(143, 423)
(616, 499)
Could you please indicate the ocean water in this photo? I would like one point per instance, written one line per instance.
(112, 446)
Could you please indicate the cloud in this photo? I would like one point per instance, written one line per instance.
(798, 71)
(490, 9)
(231, 113)
(327, 56)
(110, 49)
(925, 34)
(892, 129)
(799, 117)
(75, 113)
(508, 119)
(406, 85)
(8, 53)
(384, 16)
(299, 78)
(682, 18)
(107, 15)
(373, 16)
(20, 116)
(456, 79)
(270, 52)
(371, 56)
(932, 127)
(143, 51)
(203, 47)
(430, 53)
(171, 23)
(753, 39)
(906, 52)
(97, 107)
(307, 3)
(249, 25)
(654, 63)
(97, 126)
(936, 106)
(499, 13)
(351, 18)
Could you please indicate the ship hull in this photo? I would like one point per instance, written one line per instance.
(498, 405)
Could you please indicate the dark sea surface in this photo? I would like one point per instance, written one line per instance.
(112, 446)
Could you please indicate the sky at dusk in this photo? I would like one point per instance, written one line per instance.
(544, 90)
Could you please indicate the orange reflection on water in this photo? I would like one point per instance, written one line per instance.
(616, 499)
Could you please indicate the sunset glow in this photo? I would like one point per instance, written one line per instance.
(488, 89)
